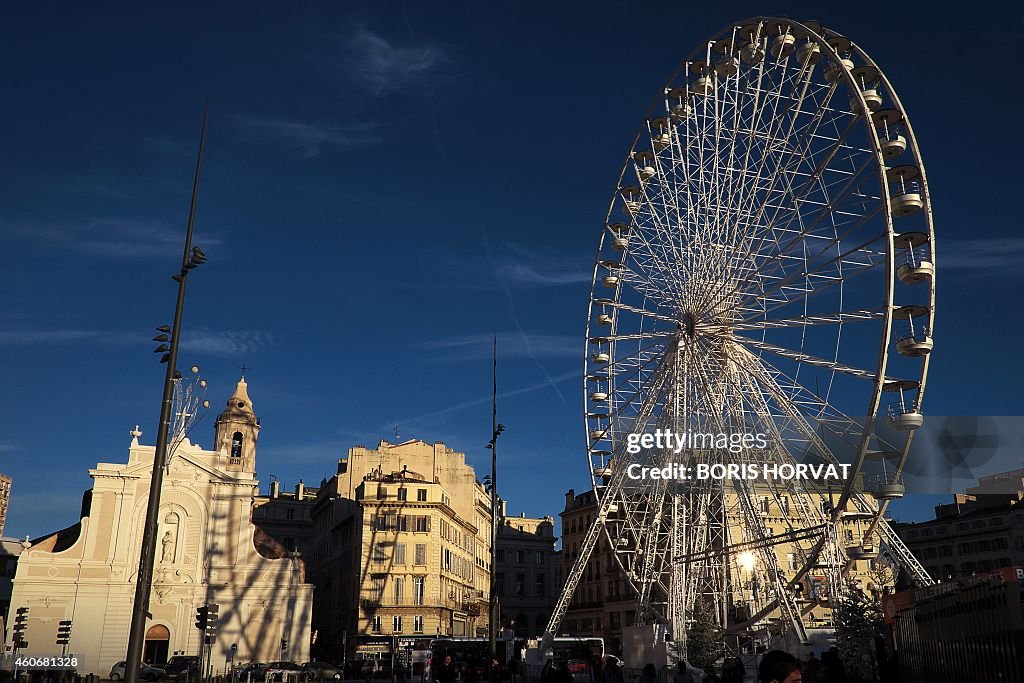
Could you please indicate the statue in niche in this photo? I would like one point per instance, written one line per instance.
(168, 547)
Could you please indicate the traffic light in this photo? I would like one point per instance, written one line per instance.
(202, 615)
(206, 620)
(64, 632)
(212, 610)
(20, 624)
(284, 645)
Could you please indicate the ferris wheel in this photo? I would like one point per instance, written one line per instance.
(767, 266)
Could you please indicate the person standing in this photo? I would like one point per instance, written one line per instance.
(779, 667)
(444, 671)
(495, 671)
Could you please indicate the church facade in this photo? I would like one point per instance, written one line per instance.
(208, 551)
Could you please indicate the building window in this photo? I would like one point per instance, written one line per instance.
(376, 623)
(421, 553)
(540, 584)
(520, 587)
(520, 557)
(236, 445)
(378, 553)
(396, 623)
(399, 553)
(402, 523)
(422, 524)
(289, 543)
(501, 554)
(538, 557)
(419, 589)
(765, 502)
(289, 513)
(499, 584)
(403, 494)
(421, 495)
(417, 624)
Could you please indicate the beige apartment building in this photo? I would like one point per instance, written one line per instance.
(980, 530)
(287, 516)
(401, 547)
(526, 572)
(208, 550)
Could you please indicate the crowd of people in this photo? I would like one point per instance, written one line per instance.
(776, 666)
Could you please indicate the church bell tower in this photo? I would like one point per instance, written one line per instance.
(237, 428)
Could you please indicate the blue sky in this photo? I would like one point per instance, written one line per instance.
(386, 186)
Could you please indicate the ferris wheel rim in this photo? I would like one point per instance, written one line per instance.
(821, 38)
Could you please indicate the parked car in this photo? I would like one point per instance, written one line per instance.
(320, 671)
(179, 666)
(254, 672)
(146, 672)
(283, 671)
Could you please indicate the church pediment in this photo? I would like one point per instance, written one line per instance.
(182, 464)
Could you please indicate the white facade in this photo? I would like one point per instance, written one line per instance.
(207, 551)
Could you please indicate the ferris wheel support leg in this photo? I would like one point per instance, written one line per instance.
(576, 573)
(901, 553)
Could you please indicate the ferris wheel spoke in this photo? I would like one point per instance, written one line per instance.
(802, 357)
(798, 198)
(857, 315)
(787, 287)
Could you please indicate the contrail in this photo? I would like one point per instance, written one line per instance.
(486, 399)
(512, 313)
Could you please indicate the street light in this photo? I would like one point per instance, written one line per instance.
(497, 429)
(192, 257)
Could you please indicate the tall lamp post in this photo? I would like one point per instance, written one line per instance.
(192, 257)
(497, 429)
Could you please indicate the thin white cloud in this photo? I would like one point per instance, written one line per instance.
(225, 343)
(510, 345)
(222, 343)
(518, 266)
(383, 65)
(313, 139)
(1004, 254)
(34, 337)
(114, 238)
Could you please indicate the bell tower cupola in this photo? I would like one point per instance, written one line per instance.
(237, 428)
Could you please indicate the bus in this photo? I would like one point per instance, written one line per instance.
(583, 655)
(471, 655)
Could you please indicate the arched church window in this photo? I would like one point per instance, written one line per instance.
(236, 445)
